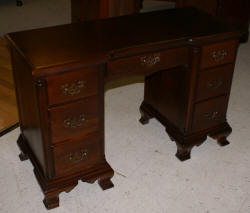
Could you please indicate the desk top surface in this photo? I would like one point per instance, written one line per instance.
(99, 40)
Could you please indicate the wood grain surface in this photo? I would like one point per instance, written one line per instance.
(8, 109)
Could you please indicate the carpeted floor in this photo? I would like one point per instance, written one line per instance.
(148, 178)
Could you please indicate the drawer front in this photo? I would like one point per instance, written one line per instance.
(149, 62)
(74, 119)
(214, 82)
(75, 156)
(209, 113)
(72, 85)
(218, 53)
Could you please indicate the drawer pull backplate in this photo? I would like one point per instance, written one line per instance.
(213, 85)
(74, 122)
(151, 60)
(78, 156)
(212, 115)
(73, 89)
(219, 55)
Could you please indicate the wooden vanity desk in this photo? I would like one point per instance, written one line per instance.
(186, 56)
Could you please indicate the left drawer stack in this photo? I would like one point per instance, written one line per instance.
(74, 106)
(61, 111)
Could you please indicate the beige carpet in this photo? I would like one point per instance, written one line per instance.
(215, 180)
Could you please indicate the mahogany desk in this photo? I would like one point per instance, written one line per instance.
(233, 11)
(186, 56)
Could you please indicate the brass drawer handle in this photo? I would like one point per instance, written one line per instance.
(151, 60)
(73, 89)
(219, 55)
(215, 84)
(74, 122)
(212, 115)
(78, 156)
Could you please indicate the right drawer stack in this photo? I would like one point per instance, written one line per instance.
(216, 71)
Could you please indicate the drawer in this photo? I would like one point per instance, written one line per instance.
(146, 63)
(214, 82)
(74, 156)
(72, 85)
(74, 119)
(218, 53)
(209, 113)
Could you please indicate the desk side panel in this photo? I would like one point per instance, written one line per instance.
(28, 108)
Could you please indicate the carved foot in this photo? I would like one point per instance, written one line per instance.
(223, 141)
(221, 136)
(183, 153)
(23, 156)
(51, 201)
(89, 181)
(144, 118)
(185, 146)
(171, 138)
(105, 183)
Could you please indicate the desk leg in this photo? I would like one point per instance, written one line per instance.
(185, 146)
(23, 155)
(145, 115)
(221, 134)
(105, 183)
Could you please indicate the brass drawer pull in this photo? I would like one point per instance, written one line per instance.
(73, 89)
(215, 84)
(78, 156)
(74, 122)
(151, 60)
(219, 55)
(212, 115)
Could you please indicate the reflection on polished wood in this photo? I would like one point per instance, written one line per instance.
(8, 109)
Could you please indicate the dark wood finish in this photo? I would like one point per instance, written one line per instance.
(62, 131)
(76, 155)
(209, 6)
(83, 10)
(214, 82)
(77, 118)
(209, 113)
(217, 54)
(150, 62)
(233, 11)
(72, 85)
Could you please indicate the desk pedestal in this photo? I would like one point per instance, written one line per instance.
(167, 99)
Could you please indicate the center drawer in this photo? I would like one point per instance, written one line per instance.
(75, 119)
(146, 63)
